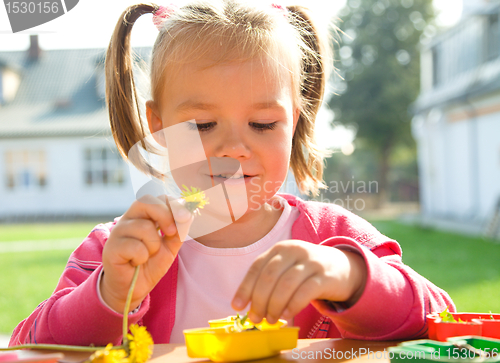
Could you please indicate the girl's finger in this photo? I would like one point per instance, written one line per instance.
(143, 230)
(174, 243)
(245, 290)
(307, 291)
(169, 215)
(266, 283)
(182, 219)
(149, 207)
(132, 251)
(290, 248)
(285, 288)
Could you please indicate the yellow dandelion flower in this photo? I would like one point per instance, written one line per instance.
(140, 344)
(109, 355)
(195, 198)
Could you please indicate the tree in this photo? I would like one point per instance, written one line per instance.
(378, 72)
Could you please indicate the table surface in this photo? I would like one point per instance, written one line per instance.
(308, 350)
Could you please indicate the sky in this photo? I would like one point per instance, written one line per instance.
(91, 22)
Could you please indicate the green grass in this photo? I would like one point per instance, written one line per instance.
(467, 268)
(39, 231)
(26, 279)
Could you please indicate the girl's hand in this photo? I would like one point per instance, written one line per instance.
(283, 280)
(135, 240)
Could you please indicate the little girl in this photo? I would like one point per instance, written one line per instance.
(250, 78)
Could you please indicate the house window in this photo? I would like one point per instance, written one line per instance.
(436, 77)
(25, 169)
(103, 167)
(493, 37)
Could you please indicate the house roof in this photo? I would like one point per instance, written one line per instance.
(57, 96)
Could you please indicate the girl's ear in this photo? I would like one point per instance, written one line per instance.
(153, 115)
(296, 115)
(155, 122)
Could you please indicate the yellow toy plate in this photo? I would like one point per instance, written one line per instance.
(220, 345)
(263, 325)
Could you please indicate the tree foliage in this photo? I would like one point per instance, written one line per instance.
(378, 71)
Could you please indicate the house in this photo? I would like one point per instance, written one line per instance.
(57, 155)
(457, 119)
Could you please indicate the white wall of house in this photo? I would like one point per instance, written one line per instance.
(65, 191)
(459, 160)
(431, 158)
(489, 170)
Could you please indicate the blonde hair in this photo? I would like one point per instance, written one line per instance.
(225, 31)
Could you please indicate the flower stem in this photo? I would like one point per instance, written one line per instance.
(72, 348)
(127, 307)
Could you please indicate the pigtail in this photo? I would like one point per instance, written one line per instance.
(121, 94)
(308, 169)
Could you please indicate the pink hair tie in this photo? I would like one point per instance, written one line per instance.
(281, 8)
(163, 13)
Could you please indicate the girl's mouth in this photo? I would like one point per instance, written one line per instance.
(231, 178)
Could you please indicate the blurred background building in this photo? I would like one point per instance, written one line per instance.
(457, 119)
(57, 155)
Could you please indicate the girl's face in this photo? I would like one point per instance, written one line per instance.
(242, 111)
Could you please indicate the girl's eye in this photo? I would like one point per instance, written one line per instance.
(261, 127)
(204, 126)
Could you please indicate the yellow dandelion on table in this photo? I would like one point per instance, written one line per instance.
(195, 198)
(109, 355)
(140, 344)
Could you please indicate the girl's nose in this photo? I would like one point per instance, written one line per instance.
(232, 145)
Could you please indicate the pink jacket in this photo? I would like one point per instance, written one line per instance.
(393, 305)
